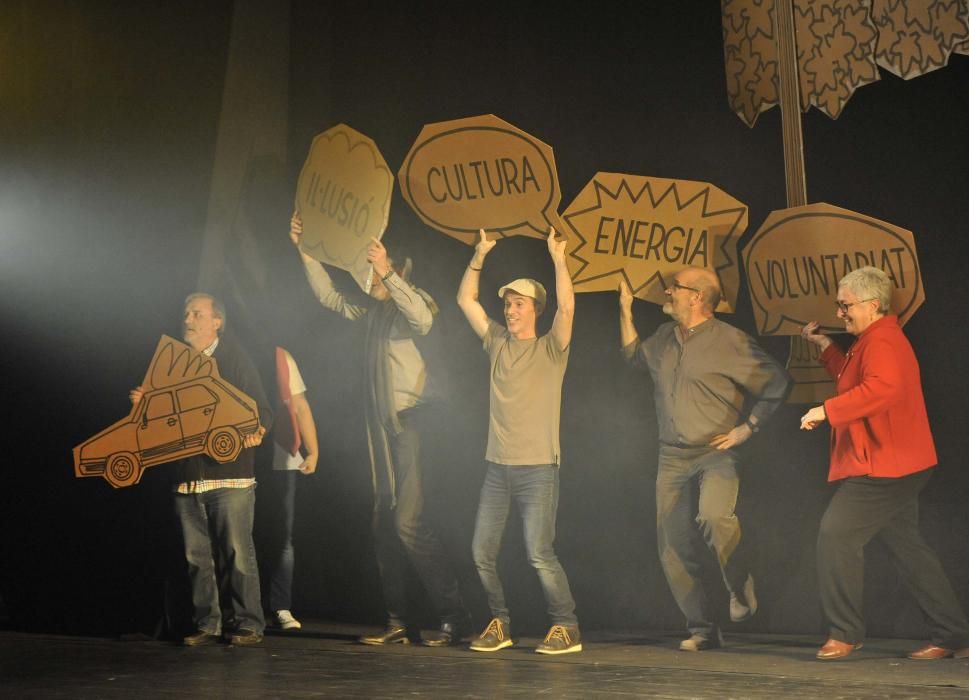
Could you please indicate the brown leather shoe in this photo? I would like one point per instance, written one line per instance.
(931, 652)
(394, 634)
(833, 649)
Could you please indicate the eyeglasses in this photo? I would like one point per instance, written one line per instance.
(843, 307)
(677, 285)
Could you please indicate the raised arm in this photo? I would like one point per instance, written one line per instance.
(468, 291)
(321, 284)
(627, 331)
(296, 236)
(564, 294)
(414, 307)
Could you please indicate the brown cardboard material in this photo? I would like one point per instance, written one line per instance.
(794, 261)
(915, 38)
(187, 409)
(812, 383)
(481, 172)
(835, 54)
(646, 229)
(343, 196)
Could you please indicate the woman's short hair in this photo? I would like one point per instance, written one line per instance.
(870, 283)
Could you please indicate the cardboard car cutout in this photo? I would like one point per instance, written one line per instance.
(187, 409)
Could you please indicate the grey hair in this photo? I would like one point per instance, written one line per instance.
(710, 293)
(870, 283)
(218, 308)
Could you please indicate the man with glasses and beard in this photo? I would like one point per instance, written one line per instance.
(714, 387)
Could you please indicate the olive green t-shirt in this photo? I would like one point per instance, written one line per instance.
(526, 397)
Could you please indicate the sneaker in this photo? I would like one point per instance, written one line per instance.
(285, 619)
(243, 637)
(702, 642)
(395, 633)
(561, 640)
(743, 604)
(494, 637)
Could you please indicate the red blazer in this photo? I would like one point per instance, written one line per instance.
(879, 426)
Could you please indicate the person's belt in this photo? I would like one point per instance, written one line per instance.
(680, 445)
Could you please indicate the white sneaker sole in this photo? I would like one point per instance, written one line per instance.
(577, 647)
(498, 647)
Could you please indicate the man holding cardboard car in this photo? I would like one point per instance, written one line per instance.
(215, 502)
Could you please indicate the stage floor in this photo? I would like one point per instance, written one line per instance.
(323, 660)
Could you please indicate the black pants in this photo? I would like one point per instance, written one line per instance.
(402, 534)
(862, 508)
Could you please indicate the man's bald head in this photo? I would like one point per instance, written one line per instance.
(706, 282)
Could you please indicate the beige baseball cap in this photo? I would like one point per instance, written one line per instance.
(527, 288)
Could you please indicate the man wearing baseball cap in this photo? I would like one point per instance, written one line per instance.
(523, 441)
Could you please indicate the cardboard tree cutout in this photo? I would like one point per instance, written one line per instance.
(187, 409)
(794, 261)
(646, 229)
(343, 196)
(798, 53)
(481, 172)
(840, 45)
(835, 54)
(915, 38)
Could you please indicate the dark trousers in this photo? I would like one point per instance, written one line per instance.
(714, 472)
(862, 508)
(403, 533)
(535, 490)
(282, 488)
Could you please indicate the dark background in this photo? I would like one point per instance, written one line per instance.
(109, 113)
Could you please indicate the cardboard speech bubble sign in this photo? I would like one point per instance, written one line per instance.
(646, 229)
(187, 409)
(343, 195)
(796, 258)
(481, 172)
(812, 383)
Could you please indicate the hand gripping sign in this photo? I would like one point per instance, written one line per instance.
(343, 197)
(481, 172)
(796, 258)
(646, 229)
(187, 409)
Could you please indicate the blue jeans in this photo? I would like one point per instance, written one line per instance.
(535, 490)
(284, 510)
(218, 524)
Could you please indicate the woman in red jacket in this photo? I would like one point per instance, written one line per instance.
(882, 453)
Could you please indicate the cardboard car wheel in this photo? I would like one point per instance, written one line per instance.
(224, 444)
(123, 469)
